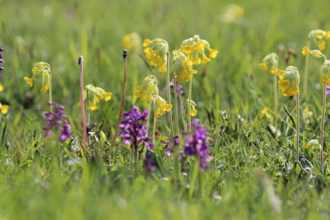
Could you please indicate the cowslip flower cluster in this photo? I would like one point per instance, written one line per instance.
(270, 63)
(54, 120)
(182, 67)
(197, 144)
(41, 70)
(132, 41)
(325, 68)
(171, 145)
(1, 60)
(95, 94)
(148, 91)
(194, 48)
(161, 106)
(319, 37)
(133, 132)
(289, 81)
(156, 51)
(148, 88)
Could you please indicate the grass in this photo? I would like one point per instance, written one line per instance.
(252, 175)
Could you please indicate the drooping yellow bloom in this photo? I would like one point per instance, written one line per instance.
(314, 145)
(194, 48)
(319, 37)
(270, 63)
(41, 70)
(132, 41)
(4, 109)
(325, 71)
(193, 110)
(182, 67)
(160, 106)
(29, 81)
(95, 94)
(148, 88)
(289, 82)
(156, 52)
(314, 53)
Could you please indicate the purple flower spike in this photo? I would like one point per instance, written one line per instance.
(1, 60)
(54, 120)
(133, 132)
(197, 144)
(150, 162)
(171, 145)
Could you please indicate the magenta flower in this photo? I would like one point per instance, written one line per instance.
(133, 132)
(55, 120)
(171, 145)
(1, 60)
(197, 144)
(150, 162)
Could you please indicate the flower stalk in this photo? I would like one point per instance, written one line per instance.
(322, 122)
(125, 56)
(82, 105)
(169, 92)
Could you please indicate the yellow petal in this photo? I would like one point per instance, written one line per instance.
(263, 66)
(4, 109)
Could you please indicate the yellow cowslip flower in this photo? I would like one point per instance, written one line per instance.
(314, 53)
(306, 115)
(325, 71)
(270, 63)
(193, 110)
(232, 14)
(182, 67)
(160, 106)
(289, 82)
(96, 94)
(132, 41)
(4, 109)
(314, 145)
(156, 52)
(148, 88)
(40, 70)
(194, 48)
(1, 87)
(29, 81)
(319, 37)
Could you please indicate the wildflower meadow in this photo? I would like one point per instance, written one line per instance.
(156, 109)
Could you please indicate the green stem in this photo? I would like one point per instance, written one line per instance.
(154, 131)
(297, 127)
(306, 68)
(148, 121)
(275, 100)
(189, 106)
(169, 91)
(125, 56)
(322, 122)
(194, 178)
(50, 91)
(176, 118)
